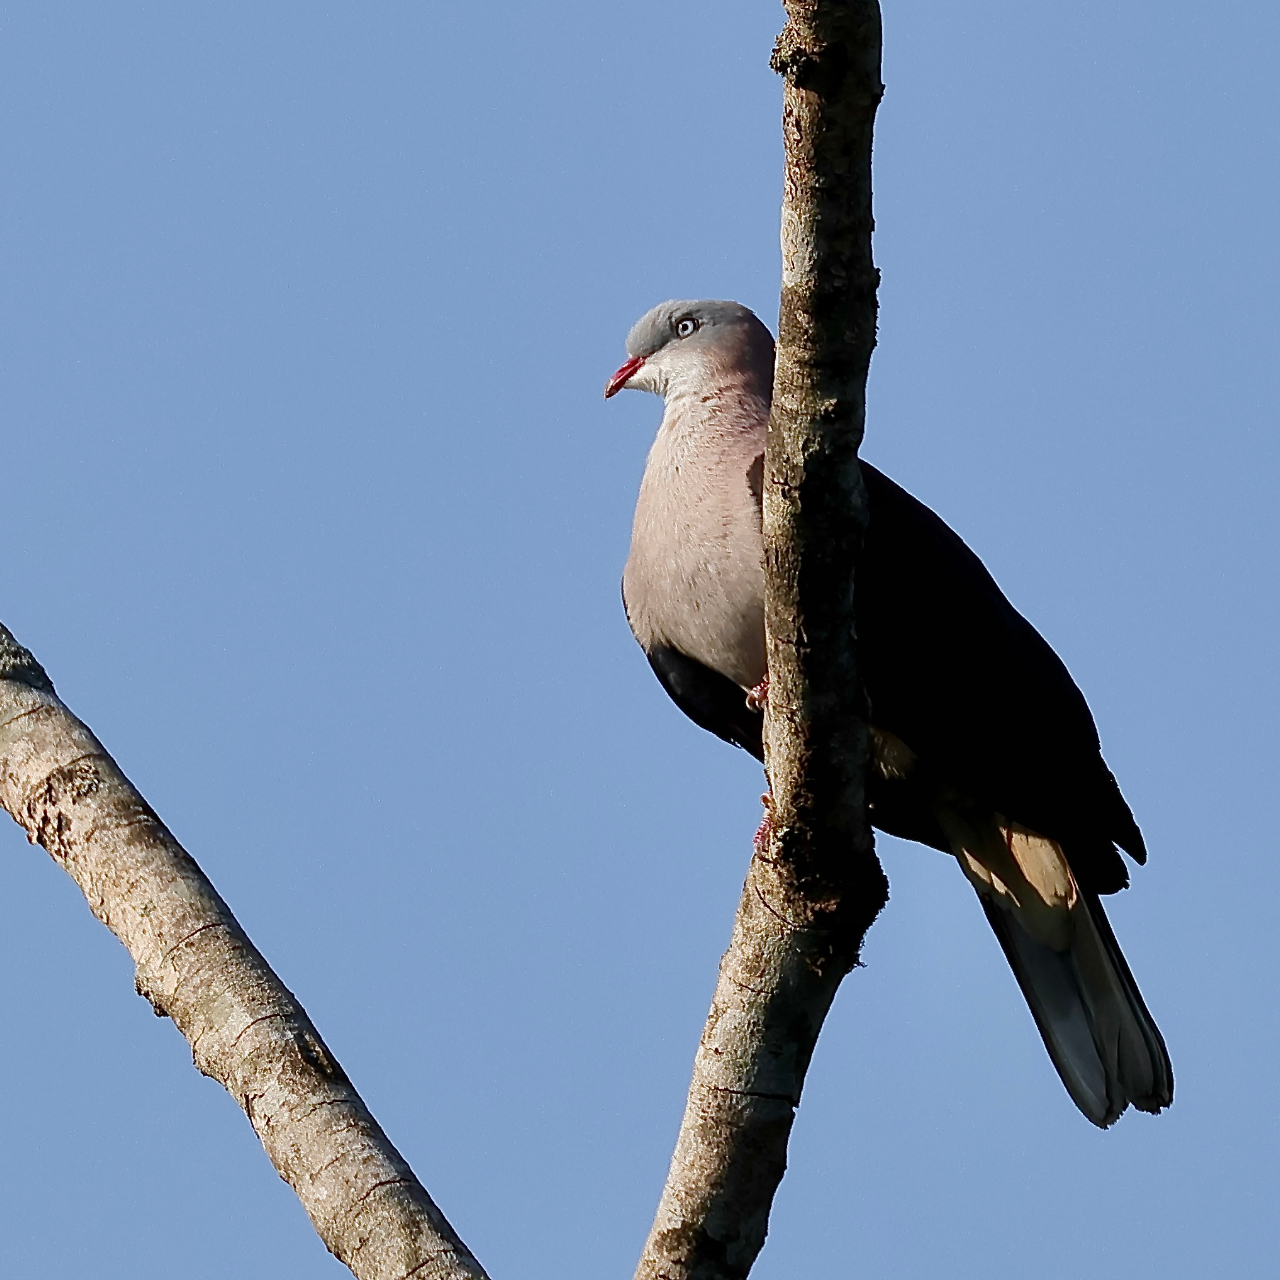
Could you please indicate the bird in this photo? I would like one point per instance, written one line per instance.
(981, 744)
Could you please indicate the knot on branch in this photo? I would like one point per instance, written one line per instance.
(806, 63)
(315, 1053)
(17, 663)
(151, 993)
(833, 61)
(46, 819)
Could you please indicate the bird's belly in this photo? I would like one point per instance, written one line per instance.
(705, 609)
(695, 578)
(723, 636)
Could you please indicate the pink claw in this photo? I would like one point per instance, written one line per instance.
(760, 841)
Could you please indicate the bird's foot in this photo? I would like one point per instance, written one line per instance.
(760, 841)
(757, 697)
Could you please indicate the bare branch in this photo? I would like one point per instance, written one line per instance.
(196, 966)
(815, 886)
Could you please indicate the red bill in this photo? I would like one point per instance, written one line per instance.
(621, 378)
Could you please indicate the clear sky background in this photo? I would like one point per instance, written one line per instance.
(313, 511)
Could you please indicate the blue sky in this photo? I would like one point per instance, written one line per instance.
(314, 512)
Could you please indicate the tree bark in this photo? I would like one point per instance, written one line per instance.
(815, 885)
(196, 966)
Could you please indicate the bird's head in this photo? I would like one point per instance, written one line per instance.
(686, 344)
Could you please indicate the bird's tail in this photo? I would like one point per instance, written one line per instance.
(1091, 1016)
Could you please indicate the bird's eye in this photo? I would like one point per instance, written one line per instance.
(687, 327)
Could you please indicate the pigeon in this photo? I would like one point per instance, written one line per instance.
(981, 744)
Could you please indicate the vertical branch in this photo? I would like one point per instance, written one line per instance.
(196, 966)
(815, 886)
(814, 503)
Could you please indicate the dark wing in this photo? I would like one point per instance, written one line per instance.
(972, 688)
(715, 703)
(709, 699)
